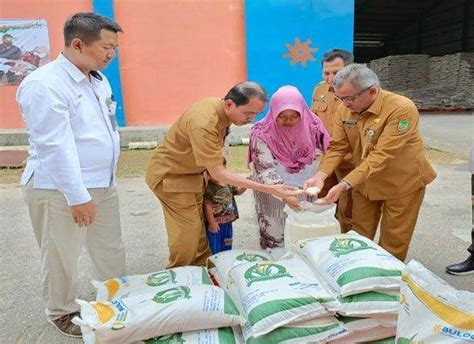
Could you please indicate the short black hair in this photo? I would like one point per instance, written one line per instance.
(333, 54)
(7, 35)
(87, 27)
(241, 93)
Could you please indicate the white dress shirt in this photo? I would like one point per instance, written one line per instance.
(73, 143)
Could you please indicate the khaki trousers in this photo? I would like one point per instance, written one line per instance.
(344, 203)
(398, 222)
(184, 219)
(61, 241)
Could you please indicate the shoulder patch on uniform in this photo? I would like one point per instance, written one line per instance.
(402, 116)
(403, 125)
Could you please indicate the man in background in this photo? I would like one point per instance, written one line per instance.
(324, 105)
(467, 267)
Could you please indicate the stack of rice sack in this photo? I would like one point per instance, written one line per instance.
(281, 300)
(364, 280)
(432, 311)
(179, 303)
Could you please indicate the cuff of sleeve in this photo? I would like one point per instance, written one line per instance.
(347, 184)
(327, 171)
(354, 178)
(211, 162)
(80, 197)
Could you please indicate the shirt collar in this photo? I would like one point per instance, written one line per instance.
(376, 107)
(75, 72)
(223, 120)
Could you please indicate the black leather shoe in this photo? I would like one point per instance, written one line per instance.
(464, 268)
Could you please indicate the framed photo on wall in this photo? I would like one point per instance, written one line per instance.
(24, 46)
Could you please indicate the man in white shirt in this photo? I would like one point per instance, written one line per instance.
(69, 179)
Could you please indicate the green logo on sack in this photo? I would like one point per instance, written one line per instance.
(264, 271)
(403, 340)
(176, 338)
(172, 294)
(160, 278)
(343, 246)
(250, 257)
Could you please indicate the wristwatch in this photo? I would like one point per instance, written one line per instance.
(347, 184)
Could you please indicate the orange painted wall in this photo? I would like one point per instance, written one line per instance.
(174, 52)
(55, 12)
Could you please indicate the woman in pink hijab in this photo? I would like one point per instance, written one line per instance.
(283, 149)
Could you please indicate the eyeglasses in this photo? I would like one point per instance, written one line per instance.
(351, 99)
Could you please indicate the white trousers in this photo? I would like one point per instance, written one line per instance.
(61, 241)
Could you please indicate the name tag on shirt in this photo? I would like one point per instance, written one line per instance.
(349, 122)
(112, 107)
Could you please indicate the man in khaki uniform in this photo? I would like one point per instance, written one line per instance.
(380, 129)
(324, 106)
(192, 146)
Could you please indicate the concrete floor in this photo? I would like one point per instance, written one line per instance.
(441, 238)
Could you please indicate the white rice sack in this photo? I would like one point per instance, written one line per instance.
(366, 329)
(223, 335)
(276, 293)
(351, 263)
(315, 330)
(152, 313)
(433, 311)
(224, 261)
(121, 287)
(369, 303)
(313, 221)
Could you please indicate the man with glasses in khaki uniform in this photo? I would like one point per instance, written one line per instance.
(192, 146)
(381, 130)
(324, 106)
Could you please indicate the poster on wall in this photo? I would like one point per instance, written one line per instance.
(24, 46)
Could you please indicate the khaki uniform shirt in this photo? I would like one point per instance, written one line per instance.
(386, 147)
(324, 105)
(193, 143)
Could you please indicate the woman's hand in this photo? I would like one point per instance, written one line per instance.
(293, 203)
(316, 181)
(284, 191)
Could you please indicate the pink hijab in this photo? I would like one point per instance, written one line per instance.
(293, 147)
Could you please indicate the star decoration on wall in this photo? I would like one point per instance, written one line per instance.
(300, 52)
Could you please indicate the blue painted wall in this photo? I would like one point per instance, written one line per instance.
(106, 9)
(273, 24)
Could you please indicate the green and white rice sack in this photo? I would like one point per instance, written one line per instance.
(315, 330)
(431, 310)
(157, 312)
(370, 303)
(124, 286)
(276, 293)
(226, 260)
(223, 335)
(366, 329)
(351, 263)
